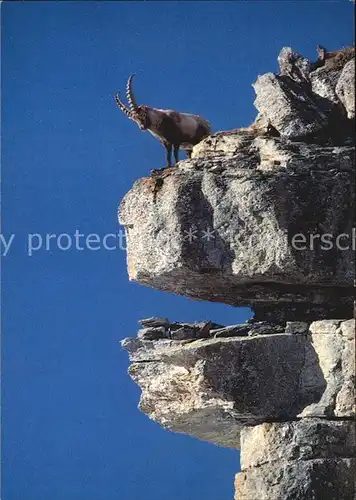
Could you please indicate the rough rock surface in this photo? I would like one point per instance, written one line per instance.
(306, 459)
(294, 65)
(288, 107)
(241, 223)
(260, 216)
(334, 343)
(305, 439)
(345, 88)
(318, 479)
(254, 217)
(305, 104)
(210, 388)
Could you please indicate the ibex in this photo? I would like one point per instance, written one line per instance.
(172, 129)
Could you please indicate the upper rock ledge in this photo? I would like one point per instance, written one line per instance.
(261, 216)
(243, 222)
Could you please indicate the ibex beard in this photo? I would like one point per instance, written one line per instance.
(174, 130)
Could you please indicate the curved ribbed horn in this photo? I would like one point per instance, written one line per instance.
(122, 106)
(129, 93)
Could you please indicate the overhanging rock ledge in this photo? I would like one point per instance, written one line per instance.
(243, 222)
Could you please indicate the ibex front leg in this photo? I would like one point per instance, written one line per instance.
(169, 154)
(176, 153)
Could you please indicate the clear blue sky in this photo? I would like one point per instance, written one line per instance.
(71, 429)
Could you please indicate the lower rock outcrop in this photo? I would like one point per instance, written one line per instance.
(288, 391)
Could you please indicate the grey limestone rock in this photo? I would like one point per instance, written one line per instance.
(264, 328)
(152, 333)
(305, 439)
(304, 103)
(334, 342)
(261, 216)
(154, 322)
(294, 65)
(183, 332)
(231, 331)
(289, 107)
(206, 387)
(324, 82)
(303, 459)
(317, 479)
(297, 327)
(345, 88)
(250, 234)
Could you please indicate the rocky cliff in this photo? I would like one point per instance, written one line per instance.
(261, 216)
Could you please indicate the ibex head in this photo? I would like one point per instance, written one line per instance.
(136, 113)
